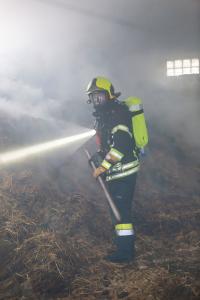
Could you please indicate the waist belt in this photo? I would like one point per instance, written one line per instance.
(120, 170)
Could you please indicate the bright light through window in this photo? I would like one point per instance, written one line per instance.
(195, 62)
(186, 63)
(181, 67)
(178, 63)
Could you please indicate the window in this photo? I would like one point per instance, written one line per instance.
(181, 67)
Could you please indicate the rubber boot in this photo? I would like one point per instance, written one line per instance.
(125, 250)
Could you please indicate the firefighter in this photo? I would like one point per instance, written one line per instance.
(116, 160)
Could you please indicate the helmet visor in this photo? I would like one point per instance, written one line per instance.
(98, 98)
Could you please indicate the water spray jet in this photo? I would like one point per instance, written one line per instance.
(23, 153)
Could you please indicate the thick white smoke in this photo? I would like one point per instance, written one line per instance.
(49, 50)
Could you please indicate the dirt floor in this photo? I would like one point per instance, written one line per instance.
(56, 229)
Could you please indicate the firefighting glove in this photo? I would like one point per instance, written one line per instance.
(99, 171)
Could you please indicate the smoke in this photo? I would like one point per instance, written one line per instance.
(50, 50)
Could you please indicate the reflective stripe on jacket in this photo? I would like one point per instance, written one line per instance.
(123, 174)
(127, 162)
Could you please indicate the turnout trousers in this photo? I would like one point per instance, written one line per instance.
(122, 192)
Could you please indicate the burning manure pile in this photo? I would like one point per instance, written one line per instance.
(52, 240)
(44, 243)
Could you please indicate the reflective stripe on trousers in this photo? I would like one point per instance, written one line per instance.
(122, 191)
(124, 229)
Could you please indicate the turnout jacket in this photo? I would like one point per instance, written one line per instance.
(116, 141)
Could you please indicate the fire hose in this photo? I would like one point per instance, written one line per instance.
(103, 186)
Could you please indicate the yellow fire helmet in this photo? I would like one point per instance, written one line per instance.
(102, 84)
